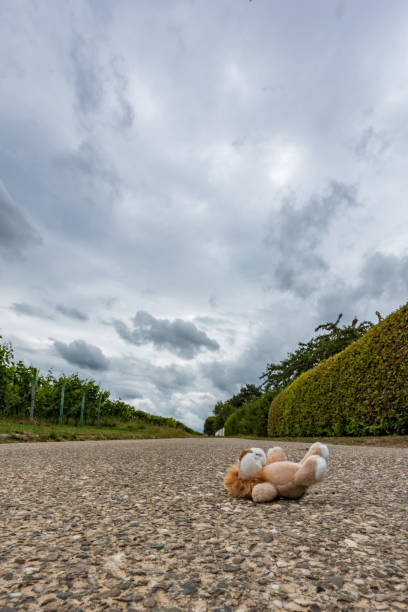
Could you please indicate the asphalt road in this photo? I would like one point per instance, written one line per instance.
(139, 525)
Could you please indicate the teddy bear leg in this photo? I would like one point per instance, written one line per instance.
(264, 492)
(318, 449)
(312, 471)
(275, 454)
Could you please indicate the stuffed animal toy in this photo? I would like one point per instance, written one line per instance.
(262, 477)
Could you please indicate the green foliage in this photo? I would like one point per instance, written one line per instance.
(319, 348)
(209, 425)
(10, 431)
(251, 418)
(222, 410)
(243, 414)
(15, 382)
(361, 390)
(15, 395)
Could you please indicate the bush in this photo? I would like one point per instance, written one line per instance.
(210, 425)
(251, 418)
(361, 391)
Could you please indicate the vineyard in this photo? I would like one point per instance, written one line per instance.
(68, 400)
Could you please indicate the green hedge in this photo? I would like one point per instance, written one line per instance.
(361, 391)
(251, 418)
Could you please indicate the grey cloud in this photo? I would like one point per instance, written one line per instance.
(126, 114)
(102, 11)
(88, 163)
(109, 302)
(142, 378)
(381, 273)
(296, 234)
(222, 375)
(83, 355)
(90, 179)
(73, 313)
(210, 321)
(91, 79)
(230, 375)
(382, 277)
(341, 8)
(16, 233)
(172, 378)
(180, 337)
(372, 144)
(22, 308)
(335, 301)
(87, 77)
(128, 394)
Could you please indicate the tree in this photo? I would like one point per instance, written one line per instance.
(222, 410)
(334, 339)
(251, 418)
(209, 426)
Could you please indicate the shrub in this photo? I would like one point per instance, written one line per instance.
(210, 425)
(251, 418)
(361, 390)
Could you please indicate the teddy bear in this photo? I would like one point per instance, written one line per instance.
(263, 478)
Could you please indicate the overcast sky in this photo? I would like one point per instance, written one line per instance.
(189, 187)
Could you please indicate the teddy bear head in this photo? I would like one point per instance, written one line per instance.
(250, 462)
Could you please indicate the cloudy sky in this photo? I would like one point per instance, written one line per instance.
(189, 187)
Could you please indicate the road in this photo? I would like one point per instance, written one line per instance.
(147, 525)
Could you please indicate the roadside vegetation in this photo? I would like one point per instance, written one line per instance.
(348, 380)
(102, 416)
(362, 390)
(45, 432)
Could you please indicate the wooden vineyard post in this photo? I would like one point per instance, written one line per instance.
(62, 402)
(98, 418)
(33, 395)
(81, 421)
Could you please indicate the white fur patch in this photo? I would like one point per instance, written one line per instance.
(259, 452)
(321, 468)
(251, 463)
(324, 450)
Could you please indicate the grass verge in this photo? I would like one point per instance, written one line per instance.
(20, 431)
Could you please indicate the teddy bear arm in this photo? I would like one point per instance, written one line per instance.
(264, 492)
(275, 454)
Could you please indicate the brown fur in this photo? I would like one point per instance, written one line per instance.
(238, 487)
(244, 452)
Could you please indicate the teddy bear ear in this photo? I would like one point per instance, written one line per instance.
(244, 452)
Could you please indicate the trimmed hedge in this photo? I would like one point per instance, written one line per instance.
(362, 390)
(251, 418)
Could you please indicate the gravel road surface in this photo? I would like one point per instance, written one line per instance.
(147, 525)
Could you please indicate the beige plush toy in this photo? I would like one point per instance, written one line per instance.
(262, 477)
